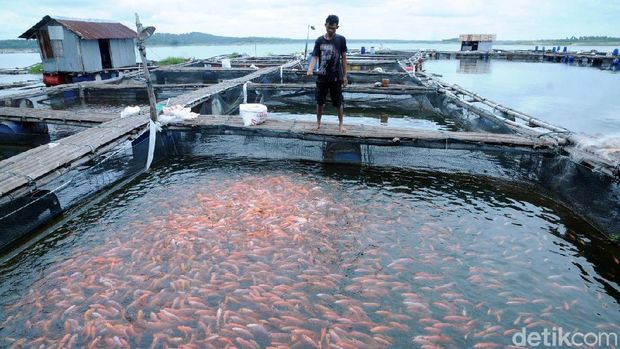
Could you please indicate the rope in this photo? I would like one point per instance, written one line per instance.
(552, 132)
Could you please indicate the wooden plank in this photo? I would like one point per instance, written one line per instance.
(196, 97)
(358, 133)
(43, 161)
(393, 89)
(54, 116)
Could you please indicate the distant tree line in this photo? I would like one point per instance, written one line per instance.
(574, 40)
(18, 44)
(583, 40)
(195, 38)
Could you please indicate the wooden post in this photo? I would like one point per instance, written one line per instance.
(147, 76)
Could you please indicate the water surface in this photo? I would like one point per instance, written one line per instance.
(584, 100)
(213, 252)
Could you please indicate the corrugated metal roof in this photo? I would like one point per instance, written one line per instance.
(87, 30)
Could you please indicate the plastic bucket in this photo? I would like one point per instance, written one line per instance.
(253, 113)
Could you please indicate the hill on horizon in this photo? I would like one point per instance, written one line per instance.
(198, 38)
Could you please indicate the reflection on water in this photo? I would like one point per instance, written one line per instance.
(215, 253)
(367, 116)
(474, 66)
(553, 92)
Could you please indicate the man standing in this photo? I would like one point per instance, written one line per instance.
(330, 50)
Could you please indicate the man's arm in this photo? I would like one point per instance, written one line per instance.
(311, 65)
(345, 81)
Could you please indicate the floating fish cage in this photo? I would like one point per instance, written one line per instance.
(250, 237)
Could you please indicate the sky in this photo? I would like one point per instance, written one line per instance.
(359, 19)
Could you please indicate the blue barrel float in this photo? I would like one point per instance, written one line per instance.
(615, 53)
(363, 50)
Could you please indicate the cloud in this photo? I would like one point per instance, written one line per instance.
(359, 19)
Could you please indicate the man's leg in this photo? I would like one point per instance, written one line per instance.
(321, 93)
(338, 102)
(319, 114)
(340, 111)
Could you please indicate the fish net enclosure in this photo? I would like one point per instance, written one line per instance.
(558, 176)
(589, 193)
(254, 237)
(68, 192)
(265, 242)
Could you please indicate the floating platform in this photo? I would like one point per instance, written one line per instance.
(520, 143)
(596, 59)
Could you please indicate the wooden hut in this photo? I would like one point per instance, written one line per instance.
(477, 42)
(81, 48)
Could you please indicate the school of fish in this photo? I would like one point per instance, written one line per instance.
(283, 260)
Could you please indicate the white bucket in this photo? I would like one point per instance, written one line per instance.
(253, 113)
(226, 63)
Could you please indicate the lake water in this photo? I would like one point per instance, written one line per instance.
(581, 99)
(24, 59)
(212, 252)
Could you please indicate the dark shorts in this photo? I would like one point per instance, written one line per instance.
(335, 92)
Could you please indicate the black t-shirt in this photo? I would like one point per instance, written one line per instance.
(330, 54)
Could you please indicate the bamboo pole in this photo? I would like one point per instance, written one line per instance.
(149, 87)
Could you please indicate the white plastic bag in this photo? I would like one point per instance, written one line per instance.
(129, 111)
(176, 113)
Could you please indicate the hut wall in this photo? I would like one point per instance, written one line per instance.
(64, 45)
(123, 52)
(91, 56)
(485, 46)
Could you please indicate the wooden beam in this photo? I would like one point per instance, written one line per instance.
(194, 98)
(55, 116)
(33, 168)
(364, 134)
(353, 88)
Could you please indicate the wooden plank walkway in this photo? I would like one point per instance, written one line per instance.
(33, 168)
(523, 55)
(55, 116)
(363, 134)
(26, 171)
(57, 89)
(392, 89)
(194, 98)
(18, 84)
